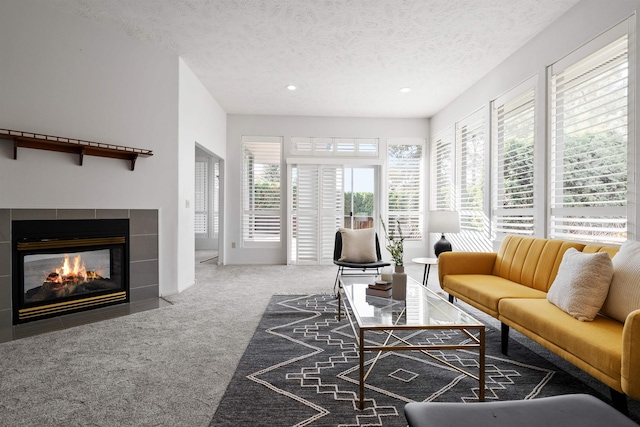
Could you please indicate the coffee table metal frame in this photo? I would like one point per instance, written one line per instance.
(352, 297)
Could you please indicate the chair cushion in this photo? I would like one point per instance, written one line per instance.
(358, 246)
(624, 292)
(582, 283)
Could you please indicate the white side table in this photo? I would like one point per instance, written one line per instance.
(428, 262)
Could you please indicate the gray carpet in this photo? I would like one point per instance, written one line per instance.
(163, 367)
(168, 366)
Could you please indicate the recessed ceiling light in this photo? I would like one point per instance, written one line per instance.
(291, 87)
(405, 90)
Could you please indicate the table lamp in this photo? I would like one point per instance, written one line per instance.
(443, 222)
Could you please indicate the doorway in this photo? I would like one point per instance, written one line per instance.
(323, 199)
(207, 206)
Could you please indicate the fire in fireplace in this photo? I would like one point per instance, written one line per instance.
(67, 275)
(68, 265)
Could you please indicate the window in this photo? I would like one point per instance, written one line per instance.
(470, 161)
(334, 147)
(202, 197)
(589, 134)
(513, 137)
(216, 199)
(404, 187)
(261, 207)
(443, 196)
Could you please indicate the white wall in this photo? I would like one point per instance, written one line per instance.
(576, 27)
(288, 126)
(63, 76)
(202, 121)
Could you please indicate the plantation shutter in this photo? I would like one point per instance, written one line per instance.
(513, 118)
(306, 208)
(404, 172)
(443, 195)
(216, 199)
(317, 211)
(332, 206)
(201, 196)
(470, 172)
(261, 190)
(589, 130)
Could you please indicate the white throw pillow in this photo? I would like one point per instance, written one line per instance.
(582, 283)
(624, 292)
(358, 245)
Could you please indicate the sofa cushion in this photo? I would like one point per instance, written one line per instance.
(582, 283)
(358, 246)
(598, 343)
(624, 292)
(485, 291)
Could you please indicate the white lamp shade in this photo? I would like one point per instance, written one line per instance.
(443, 222)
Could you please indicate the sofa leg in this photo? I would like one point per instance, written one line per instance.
(619, 401)
(504, 338)
(451, 298)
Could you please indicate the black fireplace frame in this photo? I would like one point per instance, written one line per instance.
(76, 235)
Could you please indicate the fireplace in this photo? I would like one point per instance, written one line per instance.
(66, 266)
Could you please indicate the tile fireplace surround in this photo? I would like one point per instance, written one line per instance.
(143, 249)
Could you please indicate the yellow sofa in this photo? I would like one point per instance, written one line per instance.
(511, 285)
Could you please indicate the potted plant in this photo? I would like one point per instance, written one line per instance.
(395, 246)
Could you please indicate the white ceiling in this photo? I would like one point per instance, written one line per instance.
(347, 57)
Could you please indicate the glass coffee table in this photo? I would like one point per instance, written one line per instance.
(422, 309)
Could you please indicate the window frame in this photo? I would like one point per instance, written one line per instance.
(628, 211)
(418, 213)
(473, 125)
(204, 181)
(275, 242)
(520, 100)
(442, 153)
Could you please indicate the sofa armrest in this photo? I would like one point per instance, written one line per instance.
(465, 263)
(630, 355)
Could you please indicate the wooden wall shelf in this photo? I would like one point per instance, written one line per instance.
(75, 146)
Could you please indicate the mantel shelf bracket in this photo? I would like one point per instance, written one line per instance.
(74, 146)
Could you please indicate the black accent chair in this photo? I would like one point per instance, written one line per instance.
(337, 253)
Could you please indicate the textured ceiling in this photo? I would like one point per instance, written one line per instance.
(347, 57)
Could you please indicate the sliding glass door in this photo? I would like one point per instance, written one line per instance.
(323, 199)
(359, 197)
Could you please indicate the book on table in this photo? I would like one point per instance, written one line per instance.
(383, 293)
(380, 285)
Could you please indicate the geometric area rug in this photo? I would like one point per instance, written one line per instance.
(301, 369)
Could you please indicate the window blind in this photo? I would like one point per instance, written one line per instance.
(330, 147)
(513, 135)
(306, 213)
(216, 199)
(261, 197)
(442, 190)
(470, 160)
(332, 208)
(317, 212)
(201, 199)
(589, 128)
(404, 188)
